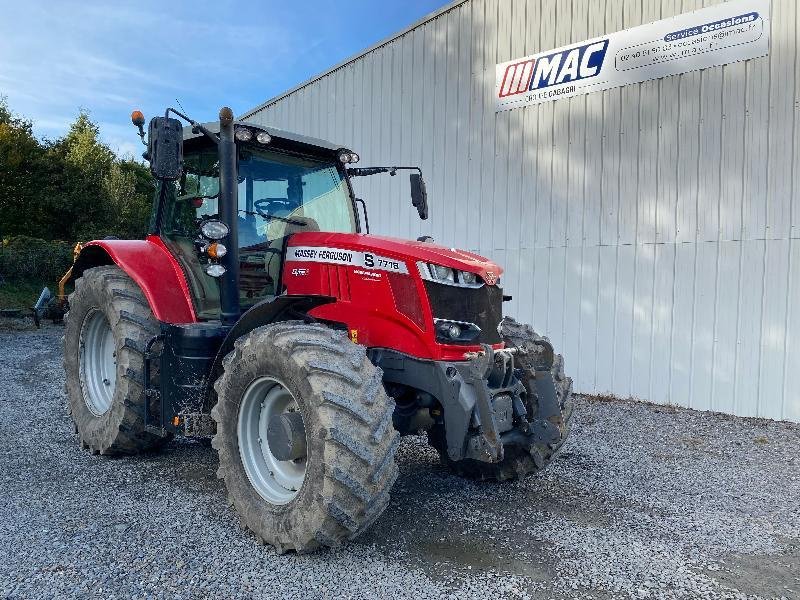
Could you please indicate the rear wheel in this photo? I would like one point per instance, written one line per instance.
(519, 461)
(105, 333)
(304, 434)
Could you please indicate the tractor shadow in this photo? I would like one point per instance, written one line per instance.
(447, 525)
(441, 523)
(444, 525)
(192, 465)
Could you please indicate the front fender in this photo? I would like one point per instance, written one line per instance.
(151, 266)
(282, 308)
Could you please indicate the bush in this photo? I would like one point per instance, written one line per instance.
(72, 188)
(33, 259)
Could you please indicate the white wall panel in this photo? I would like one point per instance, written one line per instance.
(650, 231)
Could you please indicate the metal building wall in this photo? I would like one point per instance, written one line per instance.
(651, 231)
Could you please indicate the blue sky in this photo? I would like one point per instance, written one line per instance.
(111, 57)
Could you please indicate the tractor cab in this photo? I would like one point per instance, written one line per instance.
(285, 184)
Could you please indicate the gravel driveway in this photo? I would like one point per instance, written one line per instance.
(644, 502)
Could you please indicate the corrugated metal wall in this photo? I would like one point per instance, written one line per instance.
(651, 231)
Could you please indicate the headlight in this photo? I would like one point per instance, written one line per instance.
(467, 277)
(347, 157)
(448, 276)
(441, 273)
(448, 332)
(214, 230)
(243, 134)
(263, 137)
(454, 331)
(215, 270)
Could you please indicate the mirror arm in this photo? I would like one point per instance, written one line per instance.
(196, 127)
(364, 171)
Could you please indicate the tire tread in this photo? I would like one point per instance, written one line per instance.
(109, 289)
(351, 407)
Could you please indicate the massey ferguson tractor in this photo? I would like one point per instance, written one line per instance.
(260, 311)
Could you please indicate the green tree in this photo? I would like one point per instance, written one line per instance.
(73, 189)
(83, 163)
(21, 173)
(129, 189)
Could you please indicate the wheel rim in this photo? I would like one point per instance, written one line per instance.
(276, 481)
(98, 362)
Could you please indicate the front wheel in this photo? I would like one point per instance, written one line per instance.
(304, 434)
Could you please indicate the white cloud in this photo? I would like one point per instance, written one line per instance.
(110, 58)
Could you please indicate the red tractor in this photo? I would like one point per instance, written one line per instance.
(259, 312)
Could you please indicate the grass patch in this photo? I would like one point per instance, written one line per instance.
(21, 294)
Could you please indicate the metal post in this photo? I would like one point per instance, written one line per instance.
(229, 212)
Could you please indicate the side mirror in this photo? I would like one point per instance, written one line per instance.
(165, 148)
(419, 195)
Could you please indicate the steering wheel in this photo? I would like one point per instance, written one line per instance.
(267, 207)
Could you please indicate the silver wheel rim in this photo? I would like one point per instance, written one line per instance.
(276, 481)
(98, 362)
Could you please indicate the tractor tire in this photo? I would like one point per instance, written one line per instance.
(520, 461)
(105, 333)
(341, 484)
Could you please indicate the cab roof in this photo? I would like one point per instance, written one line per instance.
(288, 136)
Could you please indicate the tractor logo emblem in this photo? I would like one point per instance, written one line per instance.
(491, 278)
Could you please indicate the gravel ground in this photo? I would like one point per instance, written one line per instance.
(645, 502)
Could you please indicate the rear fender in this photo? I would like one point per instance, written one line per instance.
(151, 266)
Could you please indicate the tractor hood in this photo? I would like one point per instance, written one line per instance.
(405, 250)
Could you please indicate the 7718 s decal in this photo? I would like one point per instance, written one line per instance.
(338, 256)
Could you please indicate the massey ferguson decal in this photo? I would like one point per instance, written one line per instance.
(337, 256)
(709, 37)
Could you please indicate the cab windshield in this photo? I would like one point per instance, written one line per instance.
(279, 194)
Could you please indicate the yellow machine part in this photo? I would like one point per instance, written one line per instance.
(63, 281)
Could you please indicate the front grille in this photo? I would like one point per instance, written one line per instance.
(406, 297)
(482, 306)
